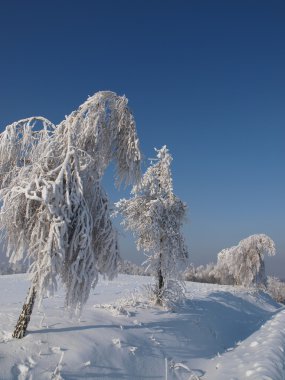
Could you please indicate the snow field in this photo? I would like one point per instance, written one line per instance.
(220, 332)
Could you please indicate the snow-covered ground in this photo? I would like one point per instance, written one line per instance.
(220, 333)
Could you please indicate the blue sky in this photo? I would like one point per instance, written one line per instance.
(206, 78)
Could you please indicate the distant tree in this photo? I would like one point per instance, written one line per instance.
(155, 216)
(54, 210)
(244, 263)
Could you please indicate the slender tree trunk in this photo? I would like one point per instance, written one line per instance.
(260, 277)
(160, 279)
(160, 287)
(24, 318)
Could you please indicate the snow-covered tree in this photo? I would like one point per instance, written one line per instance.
(155, 216)
(244, 263)
(54, 210)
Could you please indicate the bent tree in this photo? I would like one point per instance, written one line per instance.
(54, 211)
(244, 263)
(155, 216)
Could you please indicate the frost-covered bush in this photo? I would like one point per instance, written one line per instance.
(5, 266)
(276, 288)
(244, 263)
(169, 296)
(128, 267)
(11, 268)
(155, 216)
(204, 274)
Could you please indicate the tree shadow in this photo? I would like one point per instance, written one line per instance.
(115, 373)
(71, 328)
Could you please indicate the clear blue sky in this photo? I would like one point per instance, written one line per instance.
(206, 78)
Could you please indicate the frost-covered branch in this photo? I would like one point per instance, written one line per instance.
(18, 145)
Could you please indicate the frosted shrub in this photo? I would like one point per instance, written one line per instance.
(276, 288)
(203, 273)
(127, 267)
